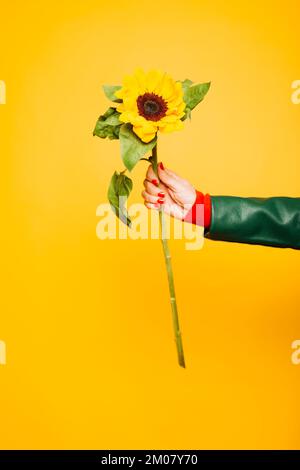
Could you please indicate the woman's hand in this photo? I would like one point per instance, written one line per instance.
(173, 193)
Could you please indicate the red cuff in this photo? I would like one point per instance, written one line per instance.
(200, 212)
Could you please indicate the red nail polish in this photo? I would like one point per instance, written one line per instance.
(161, 194)
(161, 166)
(161, 201)
(155, 182)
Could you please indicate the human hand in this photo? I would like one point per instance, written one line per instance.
(171, 192)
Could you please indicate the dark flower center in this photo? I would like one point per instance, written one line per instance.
(151, 106)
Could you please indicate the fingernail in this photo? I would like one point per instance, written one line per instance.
(161, 194)
(161, 166)
(160, 201)
(155, 182)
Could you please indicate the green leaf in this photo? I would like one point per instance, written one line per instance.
(132, 147)
(194, 94)
(109, 91)
(188, 114)
(109, 112)
(186, 84)
(119, 189)
(108, 125)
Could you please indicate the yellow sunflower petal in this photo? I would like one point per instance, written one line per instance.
(178, 86)
(160, 84)
(130, 103)
(139, 121)
(140, 77)
(129, 82)
(153, 79)
(181, 107)
(124, 117)
(168, 119)
(145, 137)
(119, 93)
(170, 127)
(176, 99)
(120, 108)
(168, 91)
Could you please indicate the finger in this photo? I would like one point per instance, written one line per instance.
(171, 209)
(154, 190)
(169, 178)
(151, 176)
(151, 198)
(150, 205)
(168, 171)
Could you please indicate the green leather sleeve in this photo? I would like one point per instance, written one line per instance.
(273, 221)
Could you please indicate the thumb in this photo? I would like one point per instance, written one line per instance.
(168, 177)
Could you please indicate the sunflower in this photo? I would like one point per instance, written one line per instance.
(151, 102)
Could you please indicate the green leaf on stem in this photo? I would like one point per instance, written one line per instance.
(109, 91)
(194, 94)
(186, 84)
(188, 114)
(119, 189)
(108, 125)
(132, 147)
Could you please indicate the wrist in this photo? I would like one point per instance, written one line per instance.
(200, 211)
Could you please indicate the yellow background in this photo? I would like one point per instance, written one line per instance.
(91, 361)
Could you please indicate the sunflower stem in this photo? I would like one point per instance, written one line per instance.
(167, 255)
